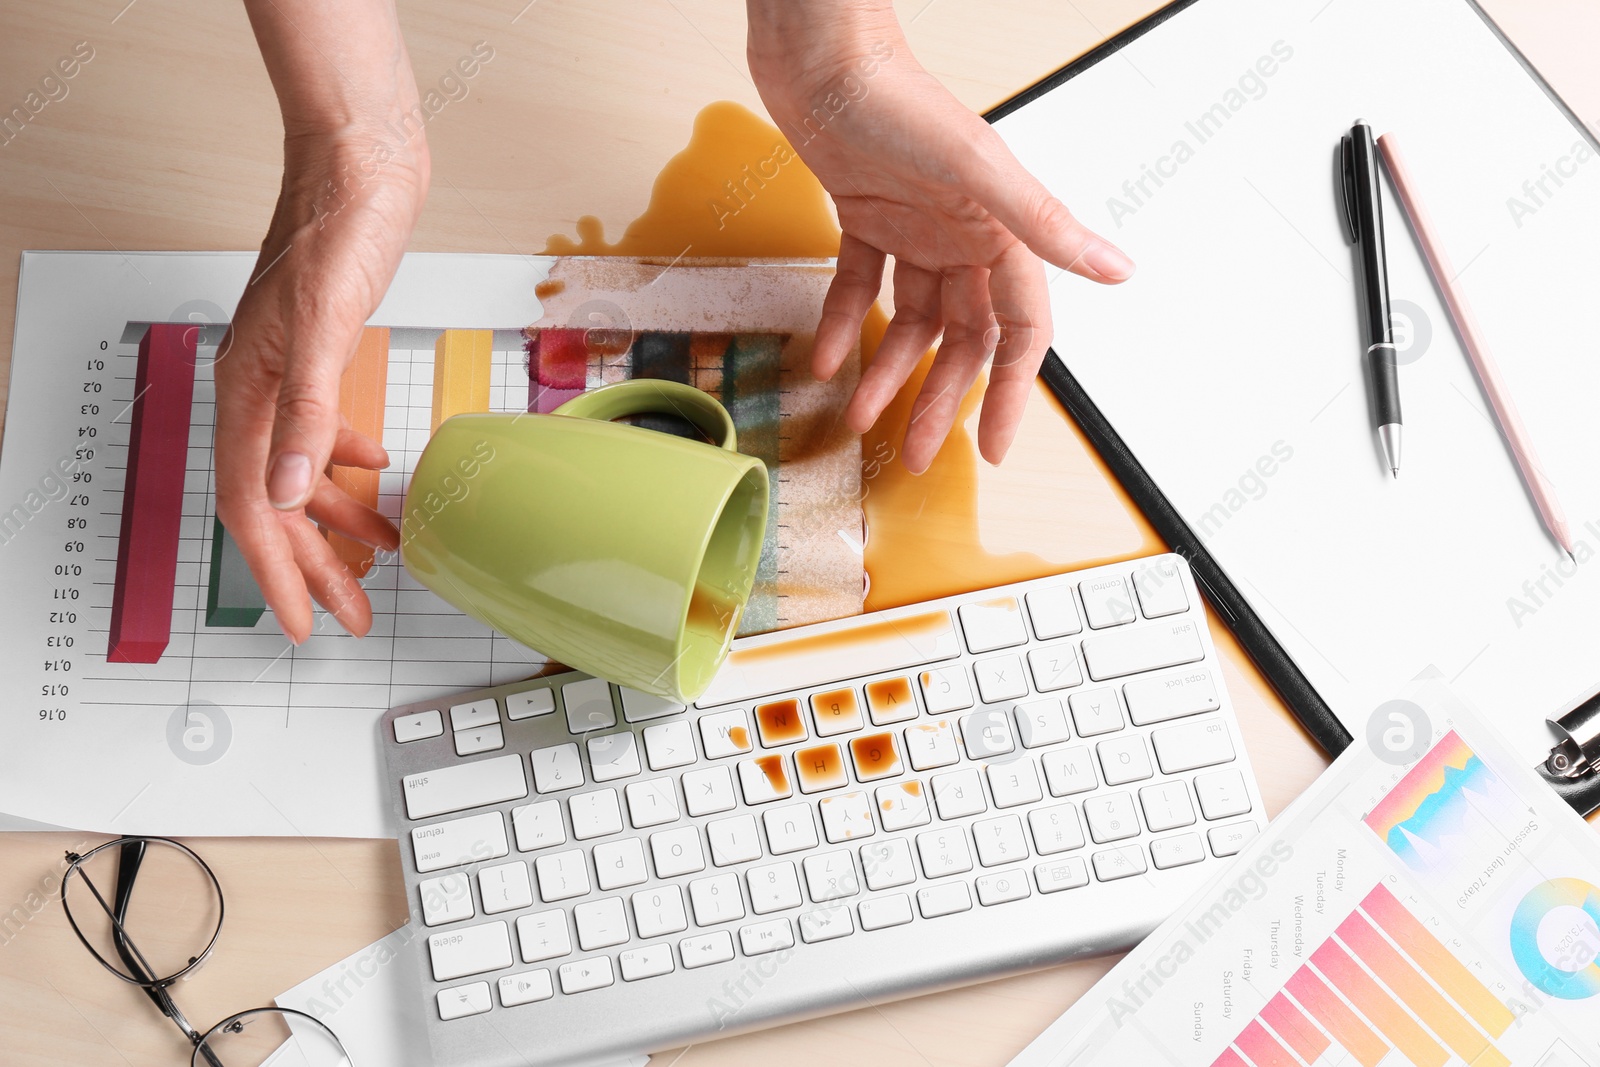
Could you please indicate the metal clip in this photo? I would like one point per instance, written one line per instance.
(1577, 754)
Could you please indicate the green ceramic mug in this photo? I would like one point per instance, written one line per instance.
(620, 551)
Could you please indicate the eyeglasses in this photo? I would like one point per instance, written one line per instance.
(156, 930)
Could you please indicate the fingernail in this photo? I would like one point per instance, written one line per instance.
(1108, 261)
(289, 481)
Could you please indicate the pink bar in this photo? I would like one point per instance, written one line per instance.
(1229, 1058)
(152, 498)
(1262, 1048)
(1296, 1030)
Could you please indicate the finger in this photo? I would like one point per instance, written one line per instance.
(319, 346)
(856, 280)
(993, 177)
(352, 449)
(1021, 302)
(968, 338)
(327, 578)
(916, 323)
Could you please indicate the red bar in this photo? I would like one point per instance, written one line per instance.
(1296, 1030)
(1262, 1048)
(1353, 1035)
(558, 368)
(152, 498)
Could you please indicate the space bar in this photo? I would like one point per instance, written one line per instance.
(797, 662)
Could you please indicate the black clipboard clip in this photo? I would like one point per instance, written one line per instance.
(1577, 754)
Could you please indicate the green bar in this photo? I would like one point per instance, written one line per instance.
(232, 596)
(750, 392)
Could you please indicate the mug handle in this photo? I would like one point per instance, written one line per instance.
(652, 396)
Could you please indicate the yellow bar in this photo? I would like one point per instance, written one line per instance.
(461, 363)
(363, 392)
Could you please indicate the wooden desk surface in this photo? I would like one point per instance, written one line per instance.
(169, 139)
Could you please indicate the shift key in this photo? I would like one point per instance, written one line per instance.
(1144, 648)
(460, 786)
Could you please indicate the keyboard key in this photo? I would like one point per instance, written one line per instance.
(716, 899)
(780, 723)
(654, 801)
(1123, 759)
(887, 863)
(538, 825)
(543, 935)
(595, 814)
(725, 733)
(1222, 793)
(1014, 783)
(1194, 744)
(758, 939)
(931, 744)
(445, 844)
(562, 875)
(706, 949)
(831, 876)
(944, 852)
(525, 988)
(1170, 696)
(588, 705)
(1122, 862)
(764, 779)
(881, 912)
(1053, 612)
(875, 757)
(946, 899)
(646, 962)
(601, 923)
(1055, 829)
(1041, 722)
(1000, 679)
(958, 793)
(946, 689)
(668, 745)
(464, 785)
(1002, 887)
(1111, 817)
(1228, 840)
(999, 841)
(733, 840)
(1160, 588)
(1054, 667)
(677, 851)
(505, 887)
(1106, 601)
(482, 739)
(846, 817)
(773, 887)
(825, 924)
(1166, 806)
(820, 767)
(556, 768)
(992, 624)
(1177, 851)
(659, 911)
(462, 1001)
(580, 976)
(1068, 771)
(619, 863)
(836, 712)
(475, 714)
(889, 700)
(1061, 874)
(613, 756)
(469, 950)
(447, 899)
(530, 704)
(902, 805)
(1142, 648)
(1095, 711)
(708, 791)
(426, 724)
(790, 828)
(987, 733)
(642, 707)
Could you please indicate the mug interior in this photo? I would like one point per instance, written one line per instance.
(722, 586)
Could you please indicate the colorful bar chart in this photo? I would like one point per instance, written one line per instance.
(362, 393)
(462, 365)
(1383, 983)
(152, 501)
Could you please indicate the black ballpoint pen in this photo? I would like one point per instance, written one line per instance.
(1363, 202)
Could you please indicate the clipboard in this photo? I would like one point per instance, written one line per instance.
(1573, 766)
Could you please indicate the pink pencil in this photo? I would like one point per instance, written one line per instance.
(1505, 410)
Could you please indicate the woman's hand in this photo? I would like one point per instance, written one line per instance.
(917, 176)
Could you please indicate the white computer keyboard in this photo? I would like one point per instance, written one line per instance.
(855, 810)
